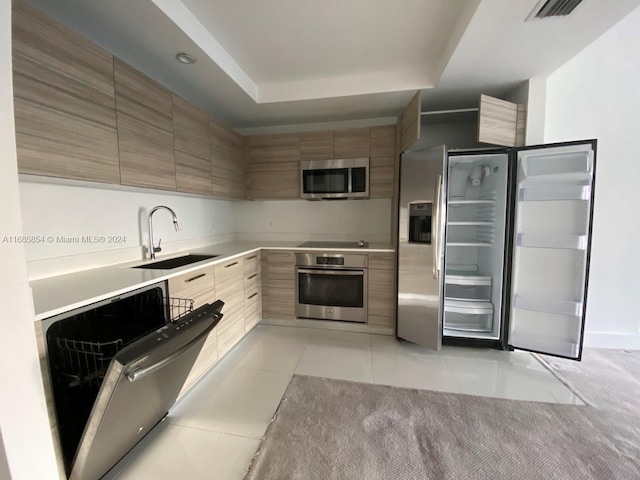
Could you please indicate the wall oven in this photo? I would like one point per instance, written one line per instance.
(331, 287)
(334, 179)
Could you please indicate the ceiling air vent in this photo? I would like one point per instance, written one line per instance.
(553, 8)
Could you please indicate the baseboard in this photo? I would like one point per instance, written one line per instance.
(629, 341)
(329, 325)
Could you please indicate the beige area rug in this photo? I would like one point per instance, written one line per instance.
(332, 429)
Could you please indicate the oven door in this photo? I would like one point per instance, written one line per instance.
(332, 294)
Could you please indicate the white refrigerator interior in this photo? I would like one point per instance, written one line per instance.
(475, 244)
(552, 222)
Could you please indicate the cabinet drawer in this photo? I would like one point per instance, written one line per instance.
(252, 264)
(251, 301)
(252, 317)
(198, 285)
(382, 261)
(228, 339)
(229, 278)
(233, 310)
(252, 283)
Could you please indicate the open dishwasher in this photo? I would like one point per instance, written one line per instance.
(116, 368)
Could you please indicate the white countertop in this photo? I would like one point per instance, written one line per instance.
(55, 295)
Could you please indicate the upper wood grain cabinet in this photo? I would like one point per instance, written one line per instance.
(273, 166)
(316, 145)
(65, 117)
(383, 141)
(145, 130)
(190, 128)
(501, 122)
(227, 171)
(352, 143)
(191, 143)
(410, 122)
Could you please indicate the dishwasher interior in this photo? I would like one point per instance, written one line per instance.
(80, 345)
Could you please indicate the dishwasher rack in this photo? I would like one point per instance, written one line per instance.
(85, 363)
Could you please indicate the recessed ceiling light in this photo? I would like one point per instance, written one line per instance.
(185, 58)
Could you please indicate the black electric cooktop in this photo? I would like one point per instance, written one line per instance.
(314, 244)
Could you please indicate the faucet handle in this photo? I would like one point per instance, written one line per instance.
(158, 249)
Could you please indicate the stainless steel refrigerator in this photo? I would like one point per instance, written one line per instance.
(493, 247)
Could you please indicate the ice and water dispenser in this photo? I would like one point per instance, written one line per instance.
(420, 222)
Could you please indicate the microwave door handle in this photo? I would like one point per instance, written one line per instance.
(135, 375)
(435, 228)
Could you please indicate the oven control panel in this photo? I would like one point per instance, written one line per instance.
(333, 261)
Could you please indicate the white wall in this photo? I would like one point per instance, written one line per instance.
(348, 220)
(23, 415)
(597, 95)
(53, 210)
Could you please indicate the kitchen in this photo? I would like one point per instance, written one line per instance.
(370, 220)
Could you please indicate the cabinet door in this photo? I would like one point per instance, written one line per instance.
(381, 290)
(227, 172)
(352, 143)
(501, 122)
(410, 122)
(145, 130)
(316, 145)
(191, 143)
(273, 167)
(230, 289)
(65, 116)
(282, 285)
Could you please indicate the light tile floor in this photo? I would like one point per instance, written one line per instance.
(214, 431)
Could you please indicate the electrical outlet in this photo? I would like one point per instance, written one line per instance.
(270, 224)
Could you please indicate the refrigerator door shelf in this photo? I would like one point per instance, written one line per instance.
(549, 306)
(544, 193)
(572, 242)
(555, 347)
(469, 244)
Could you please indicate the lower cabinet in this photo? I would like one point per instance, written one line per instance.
(381, 290)
(281, 280)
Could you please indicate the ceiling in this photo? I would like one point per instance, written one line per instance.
(289, 62)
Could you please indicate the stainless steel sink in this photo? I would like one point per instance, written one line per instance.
(170, 263)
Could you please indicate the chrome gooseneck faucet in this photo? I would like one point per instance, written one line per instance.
(152, 248)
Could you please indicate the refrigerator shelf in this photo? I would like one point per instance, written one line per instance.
(468, 307)
(466, 278)
(568, 242)
(472, 224)
(470, 202)
(469, 244)
(467, 328)
(549, 306)
(545, 193)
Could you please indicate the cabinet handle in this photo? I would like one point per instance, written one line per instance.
(195, 278)
(252, 276)
(252, 295)
(277, 254)
(252, 256)
(231, 265)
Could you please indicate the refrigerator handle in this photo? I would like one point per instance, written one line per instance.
(435, 228)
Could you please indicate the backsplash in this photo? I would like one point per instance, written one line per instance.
(81, 227)
(300, 220)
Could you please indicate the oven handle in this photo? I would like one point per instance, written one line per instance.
(321, 271)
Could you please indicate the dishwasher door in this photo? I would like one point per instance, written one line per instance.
(141, 384)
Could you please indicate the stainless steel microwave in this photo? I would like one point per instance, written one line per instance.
(334, 179)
